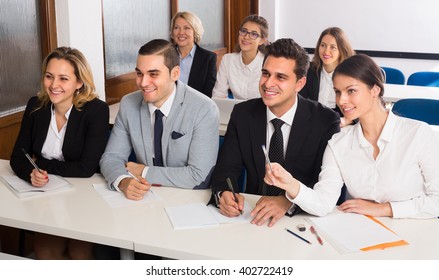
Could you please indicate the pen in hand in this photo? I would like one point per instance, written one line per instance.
(267, 159)
(313, 231)
(229, 183)
(31, 161)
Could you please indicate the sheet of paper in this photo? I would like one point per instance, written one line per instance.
(193, 215)
(244, 218)
(350, 232)
(117, 199)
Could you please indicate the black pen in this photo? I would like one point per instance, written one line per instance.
(298, 236)
(229, 183)
(31, 160)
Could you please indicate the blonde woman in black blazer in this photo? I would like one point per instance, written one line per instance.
(186, 33)
(65, 130)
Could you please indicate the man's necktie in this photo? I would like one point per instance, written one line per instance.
(276, 152)
(158, 131)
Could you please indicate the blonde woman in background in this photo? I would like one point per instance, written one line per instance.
(197, 65)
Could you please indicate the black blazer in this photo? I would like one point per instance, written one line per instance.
(202, 76)
(84, 141)
(312, 127)
(312, 87)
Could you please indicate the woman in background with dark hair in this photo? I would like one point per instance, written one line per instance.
(389, 164)
(197, 65)
(65, 130)
(331, 49)
(240, 72)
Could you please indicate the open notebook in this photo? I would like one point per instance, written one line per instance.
(349, 232)
(23, 189)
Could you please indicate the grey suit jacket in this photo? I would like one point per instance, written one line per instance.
(189, 142)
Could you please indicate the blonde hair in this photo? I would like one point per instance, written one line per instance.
(82, 72)
(193, 21)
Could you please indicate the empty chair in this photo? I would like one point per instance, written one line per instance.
(394, 76)
(426, 110)
(427, 79)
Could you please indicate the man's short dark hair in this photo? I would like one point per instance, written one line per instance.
(289, 49)
(164, 48)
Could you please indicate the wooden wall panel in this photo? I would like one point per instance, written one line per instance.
(9, 128)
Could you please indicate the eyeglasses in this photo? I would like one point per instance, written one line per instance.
(253, 35)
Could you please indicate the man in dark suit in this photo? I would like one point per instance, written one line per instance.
(306, 126)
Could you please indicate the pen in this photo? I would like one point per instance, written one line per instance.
(313, 231)
(298, 236)
(153, 185)
(31, 160)
(267, 159)
(229, 183)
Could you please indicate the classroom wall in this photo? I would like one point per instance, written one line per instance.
(378, 25)
(79, 25)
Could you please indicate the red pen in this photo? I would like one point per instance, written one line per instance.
(313, 231)
(156, 185)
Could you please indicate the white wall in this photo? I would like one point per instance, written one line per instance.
(380, 25)
(79, 25)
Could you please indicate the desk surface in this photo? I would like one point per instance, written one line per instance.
(393, 93)
(83, 214)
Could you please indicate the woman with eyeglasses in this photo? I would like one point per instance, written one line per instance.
(239, 72)
(197, 65)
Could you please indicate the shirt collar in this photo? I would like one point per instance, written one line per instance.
(67, 114)
(166, 107)
(386, 134)
(288, 117)
(254, 65)
(191, 53)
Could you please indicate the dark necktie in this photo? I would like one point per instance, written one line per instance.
(158, 131)
(276, 152)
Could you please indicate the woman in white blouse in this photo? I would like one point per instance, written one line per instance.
(240, 72)
(389, 164)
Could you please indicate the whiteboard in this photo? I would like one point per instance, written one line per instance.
(373, 25)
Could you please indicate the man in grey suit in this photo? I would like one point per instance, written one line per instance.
(187, 120)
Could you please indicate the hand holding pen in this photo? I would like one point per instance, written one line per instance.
(134, 187)
(230, 203)
(38, 177)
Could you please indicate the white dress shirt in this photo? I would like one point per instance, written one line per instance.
(241, 79)
(405, 172)
(326, 90)
(52, 147)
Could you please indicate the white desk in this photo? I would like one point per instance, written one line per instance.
(393, 93)
(83, 214)
(79, 214)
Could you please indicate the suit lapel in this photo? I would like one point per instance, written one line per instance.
(170, 120)
(195, 69)
(44, 124)
(257, 135)
(145, 126)
(299, 130)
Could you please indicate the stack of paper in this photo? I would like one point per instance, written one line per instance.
(349, 232)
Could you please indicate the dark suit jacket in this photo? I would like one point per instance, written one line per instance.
(312, 127)
(84, 141)
(312, 86)
(203, 71)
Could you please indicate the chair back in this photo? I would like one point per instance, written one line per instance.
(427, 79)
(394, 76)
(426, 110)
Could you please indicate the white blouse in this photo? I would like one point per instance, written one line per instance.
(326, 90)
(405, 173)
(241, 79)
(52, 147)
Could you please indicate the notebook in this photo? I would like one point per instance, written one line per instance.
(24, 189)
